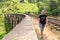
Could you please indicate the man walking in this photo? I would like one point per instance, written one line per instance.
(43, 21)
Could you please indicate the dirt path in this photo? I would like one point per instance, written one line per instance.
(48, 35)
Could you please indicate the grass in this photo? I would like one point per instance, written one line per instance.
(56, 32)
(2, 28)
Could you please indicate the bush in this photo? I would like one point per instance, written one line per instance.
(21, 8)
(58, 10)
(42, 5)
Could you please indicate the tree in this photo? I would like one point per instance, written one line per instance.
(22, 1)
(29, 0)
(39, 0)
(53, 8)
(58, 8)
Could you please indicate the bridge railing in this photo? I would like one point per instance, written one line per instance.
(11, 20)
(22, 31)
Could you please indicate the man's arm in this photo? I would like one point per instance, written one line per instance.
(39, 21)
(46, 21)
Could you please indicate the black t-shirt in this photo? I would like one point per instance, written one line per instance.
(43, 18)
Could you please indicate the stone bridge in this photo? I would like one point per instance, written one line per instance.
(22, 31)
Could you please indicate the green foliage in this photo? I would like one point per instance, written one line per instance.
(58, 7)
(53, 8)
(21, 8)
(42, 5)
(2, 28)
(2, 35)
(16, 0)
(1, 11)
(58, 10)
(8, 24)
(14, 6)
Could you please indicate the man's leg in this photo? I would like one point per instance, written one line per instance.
(42, 28)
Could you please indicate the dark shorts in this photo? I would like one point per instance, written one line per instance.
(42, 26)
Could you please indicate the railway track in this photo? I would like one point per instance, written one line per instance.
(56, 22)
